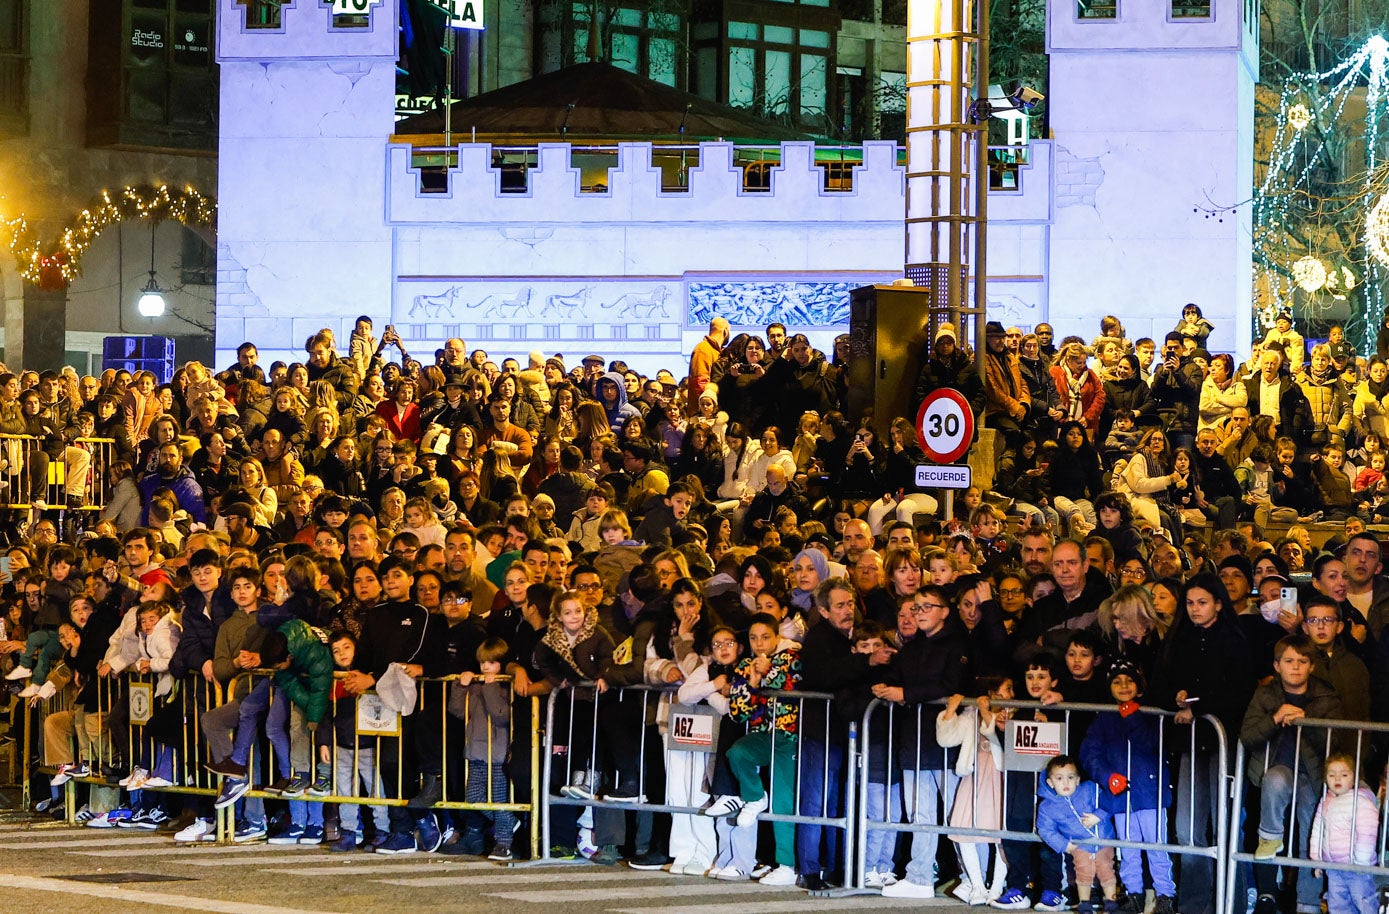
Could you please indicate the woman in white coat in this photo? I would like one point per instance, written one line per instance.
(1221, 393)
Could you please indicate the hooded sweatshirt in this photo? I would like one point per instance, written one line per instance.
(621, 411)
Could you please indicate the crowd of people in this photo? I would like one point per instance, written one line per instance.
(365, 525)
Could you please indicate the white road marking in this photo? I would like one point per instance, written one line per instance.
(519, 878)
(339, 864)
(140, 896)
(183, 850)
(636, 892)
(795, 905)
(73, 842)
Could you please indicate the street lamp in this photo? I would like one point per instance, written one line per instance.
(151, 301)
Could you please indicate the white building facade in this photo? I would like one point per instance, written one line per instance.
(323, 218)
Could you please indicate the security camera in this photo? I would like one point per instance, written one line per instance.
(1023, 97)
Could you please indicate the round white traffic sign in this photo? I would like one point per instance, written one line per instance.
(946, 424)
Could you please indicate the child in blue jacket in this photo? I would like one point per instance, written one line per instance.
(1122, 752)
(1068, 812)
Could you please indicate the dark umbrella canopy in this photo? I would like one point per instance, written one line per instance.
(607, 103)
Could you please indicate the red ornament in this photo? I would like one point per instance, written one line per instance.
(51, 278)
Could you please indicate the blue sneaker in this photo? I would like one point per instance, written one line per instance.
(290, 834)
(348, 842)
(430, 836)
(1051, 901)
(120, 814)
(232, 790)
(249, 831)
(1012, 900)
(313, 834)
(397, 844)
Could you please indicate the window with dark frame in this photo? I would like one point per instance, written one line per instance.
(14, 68)
(153, 79)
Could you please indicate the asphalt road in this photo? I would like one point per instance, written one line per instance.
(46, 868)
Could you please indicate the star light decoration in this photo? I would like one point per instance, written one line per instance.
(53, 265)
(1316, 241)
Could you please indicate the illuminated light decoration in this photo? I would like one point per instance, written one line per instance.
(1310, 273)
(1312, 200)
(1377, 231)
(53, 265)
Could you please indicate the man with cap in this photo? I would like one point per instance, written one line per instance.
(244, 534)
(941, 367)
(1006, 398)
(1177, 391)
(592, 371)
(706, 352)
(1290, 340)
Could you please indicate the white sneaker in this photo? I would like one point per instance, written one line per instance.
(889, 878)
(964, 890)
(725, 805)
(150, 783)
(687, 868)
(101, 821)
(47, 690)
(29, 691)
(782, 875)
(873, 880)
(133, 780)
(979, 897)
(728, 874)
(19, 672)
(748, 814)
(62, 777)
(908, 889)
(200, 830)
(760, 870)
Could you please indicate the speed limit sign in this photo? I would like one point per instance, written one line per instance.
(946, 424)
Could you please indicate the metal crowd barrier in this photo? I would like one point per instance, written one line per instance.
(27, 472)
(662, 694)
(1350, 737)
(941, 770)
(432, 700)
(127, 706)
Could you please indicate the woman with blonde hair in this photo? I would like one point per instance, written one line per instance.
(264, 501)
(1080, 388)
(1132, 629)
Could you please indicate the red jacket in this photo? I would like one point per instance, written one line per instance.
(1091, 395)
(401, 425)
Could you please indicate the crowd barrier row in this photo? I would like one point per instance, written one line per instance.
(134, 725)
(881, 774)
(29, 473)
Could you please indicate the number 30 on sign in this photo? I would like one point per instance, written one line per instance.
(946, 424)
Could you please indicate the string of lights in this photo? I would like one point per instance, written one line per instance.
(1321, 212)
(55, 264)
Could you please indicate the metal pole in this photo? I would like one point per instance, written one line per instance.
(449, 45)
(981, 194)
